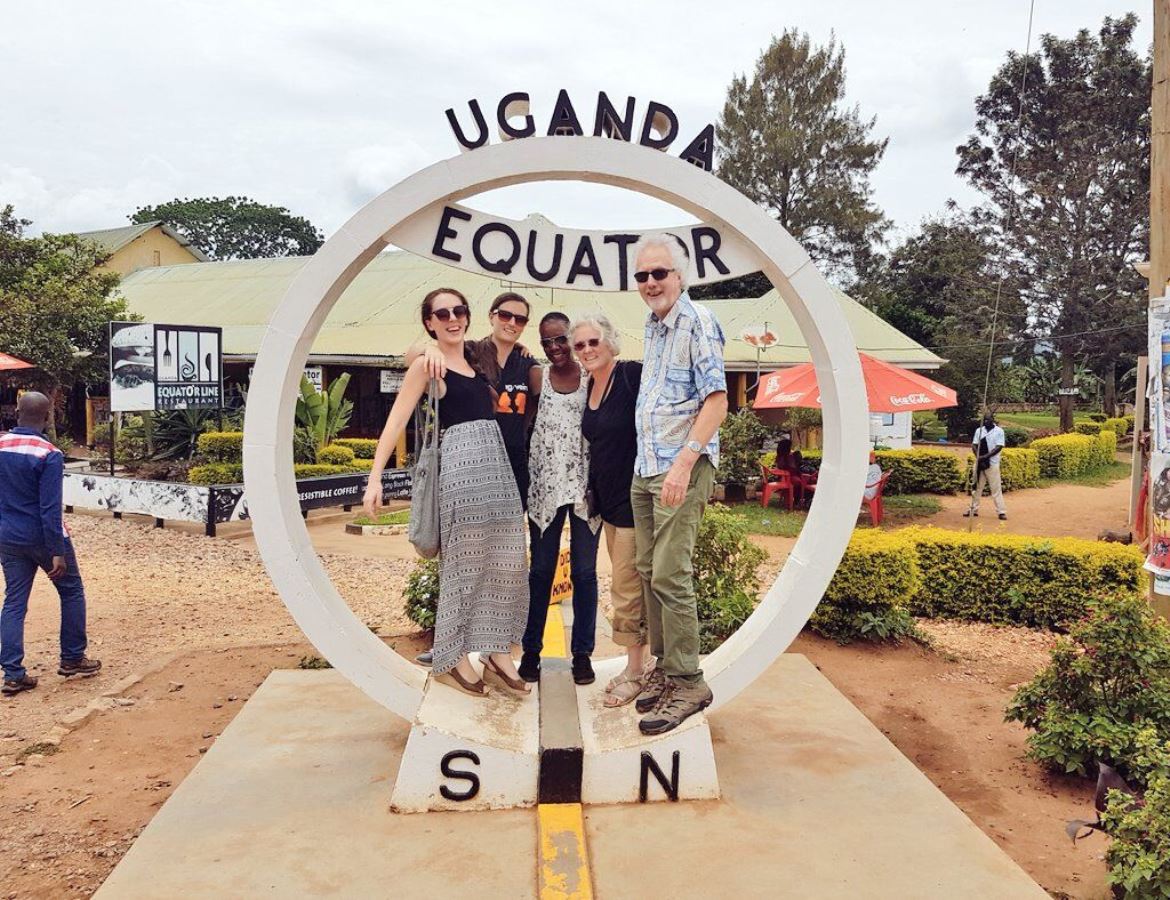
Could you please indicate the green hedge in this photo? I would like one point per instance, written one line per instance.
(1019, 467)
(996, 578)
(363, 448)
(1067, 455)
(221, 446)
(1089, 428)
(1120, 425)
(233, 473)
(335, 455)
(911, 471)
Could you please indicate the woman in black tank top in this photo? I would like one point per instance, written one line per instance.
(483, 580)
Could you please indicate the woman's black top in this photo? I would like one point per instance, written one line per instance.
(613, 445)
(467, 399)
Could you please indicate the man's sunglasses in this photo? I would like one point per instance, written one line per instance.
(656, 274)
(445, 314)
(506, 316)
(581, 345)
(560, 340)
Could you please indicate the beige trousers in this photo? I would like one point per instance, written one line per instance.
(989, 477)
(629, 612)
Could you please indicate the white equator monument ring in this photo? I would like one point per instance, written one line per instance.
(280, 532)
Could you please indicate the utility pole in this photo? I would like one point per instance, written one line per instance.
(1159, 188)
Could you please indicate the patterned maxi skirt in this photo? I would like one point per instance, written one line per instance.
(483, 573)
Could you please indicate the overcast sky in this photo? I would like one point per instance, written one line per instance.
(319, 107)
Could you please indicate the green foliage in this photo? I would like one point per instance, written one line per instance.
(176, 433)
(324, 414)
(222, 446)
(1019, 467)
(397, 517)
(1139, 854)
(726, 584)
(314, 662)
(921, 471)
(741, 440)
(55, 305)
(1014, 436)
(1106, 682)
(233, 473)
(422, 593)
(788, 141)
(1068, 455)
(363, 448)
(236, 227)
(335, 455)
(1097, 417)
(1090, 428)
(870, 593)
(1120, 426)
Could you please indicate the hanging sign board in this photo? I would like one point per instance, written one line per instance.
(131, 367)
(188, 367)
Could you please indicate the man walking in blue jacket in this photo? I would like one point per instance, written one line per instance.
(33, 536)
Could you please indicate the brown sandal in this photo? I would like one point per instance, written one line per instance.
(457, 681)
(621, 689)
(515, 685)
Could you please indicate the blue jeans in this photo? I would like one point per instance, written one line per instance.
(583, 569)
(20, 566)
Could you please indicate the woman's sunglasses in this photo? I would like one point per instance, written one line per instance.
(581, 345)
(560, 340)
(444, 315)
(506, 316)
(656, 274)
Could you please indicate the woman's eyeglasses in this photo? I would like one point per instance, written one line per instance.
(444, 314)
(656, 274)
(560, 340)
(581, 345)
(506, 316)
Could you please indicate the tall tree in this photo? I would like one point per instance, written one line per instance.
(787, 140)
(54, 306)
(939, 287)
(1067, 175)
(236, 227)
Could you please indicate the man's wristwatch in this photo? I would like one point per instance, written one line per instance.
(695, 447)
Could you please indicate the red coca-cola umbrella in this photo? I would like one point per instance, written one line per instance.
(889, 388)
(11, 362)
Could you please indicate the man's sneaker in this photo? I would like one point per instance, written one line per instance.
(84, 667)
(651, 691)
(1003, 515)
(583, 669)
(16, 685)
(529, 666)
(679, 701)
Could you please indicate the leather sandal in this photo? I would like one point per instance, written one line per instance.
(457, 681)
(622, 689)
(516, 685)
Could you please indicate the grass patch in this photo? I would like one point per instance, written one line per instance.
(313, 662)
(1115, 471)
(1032, 421)
(44, 748)
(398, 517)
(781, 522)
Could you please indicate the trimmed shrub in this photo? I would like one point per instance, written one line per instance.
(1120, 426)
(726, 585)
(1097, 417)
(1089, 428)
(1064, 455)
(1019, 468)
(319, 470)
(361, 465)
(334, 455)
(363, 448)
(1129, 420)
(741, 440)
(221, 446)
(870, 592)
(1106, 682)
(1014, 436)
(233, 473)
(1105, 449)
(911, 471)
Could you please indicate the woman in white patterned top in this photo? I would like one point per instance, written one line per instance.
(558, 468)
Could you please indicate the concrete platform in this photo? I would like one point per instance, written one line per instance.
(293, 800)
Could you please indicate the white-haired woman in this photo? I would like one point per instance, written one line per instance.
(608, 426)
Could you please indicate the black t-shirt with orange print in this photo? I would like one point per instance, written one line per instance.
(511, 404)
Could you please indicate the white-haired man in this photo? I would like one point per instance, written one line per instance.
(681, 402)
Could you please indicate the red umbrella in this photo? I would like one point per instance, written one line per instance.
(890, 388)
(11, 362)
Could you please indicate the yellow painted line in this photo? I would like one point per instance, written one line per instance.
(564, 861)
(554, 633)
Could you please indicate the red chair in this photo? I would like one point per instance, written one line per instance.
(776, 480)
(876, 510)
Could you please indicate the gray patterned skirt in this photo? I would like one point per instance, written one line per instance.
(483, 571)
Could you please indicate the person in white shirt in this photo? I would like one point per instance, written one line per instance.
(873, 477)
(987, 444)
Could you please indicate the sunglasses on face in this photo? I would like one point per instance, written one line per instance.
(591, 342)
(506, 316)
(444, 315)
(560, 340)
(656, 274)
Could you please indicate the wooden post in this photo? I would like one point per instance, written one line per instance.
(1160, 187)
(1139, 424)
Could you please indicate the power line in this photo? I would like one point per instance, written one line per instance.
(1011, 206)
